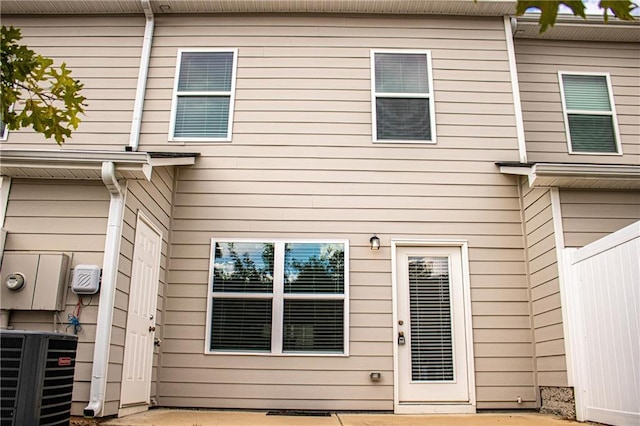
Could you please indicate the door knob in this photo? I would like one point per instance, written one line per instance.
(152, 328)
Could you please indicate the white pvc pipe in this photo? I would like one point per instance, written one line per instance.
(143, 72)
(107, 293)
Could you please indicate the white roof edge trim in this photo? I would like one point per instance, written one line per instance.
(88, 160)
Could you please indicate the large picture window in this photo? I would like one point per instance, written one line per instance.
(278, 297)
(589, 113)
(402, 98)
(203, 95)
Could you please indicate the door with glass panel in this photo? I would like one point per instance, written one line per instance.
(430, 333)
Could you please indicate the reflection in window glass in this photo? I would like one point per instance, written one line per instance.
(314, 268)
(243, 267)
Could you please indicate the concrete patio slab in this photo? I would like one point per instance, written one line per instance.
(175, 417)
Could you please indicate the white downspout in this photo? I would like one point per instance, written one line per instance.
(107, 292)
(510, 25)
(145, 56)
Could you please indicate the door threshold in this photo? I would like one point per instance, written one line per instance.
(439, 408)
(132, 409)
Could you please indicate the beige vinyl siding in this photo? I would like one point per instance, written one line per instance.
(546, 308)
(302, 165)
(154, 200)
(103, 52)
(69, 217)
(538, 64)
(590, 215)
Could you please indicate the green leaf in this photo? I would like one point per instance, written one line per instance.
(35, 93)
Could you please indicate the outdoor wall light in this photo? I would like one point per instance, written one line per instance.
(375, 243)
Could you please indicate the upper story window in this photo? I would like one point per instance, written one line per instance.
(203, 96)
(278, 297)
(402, 96)
(589, 113)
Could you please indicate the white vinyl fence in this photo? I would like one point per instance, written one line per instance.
(603, 302)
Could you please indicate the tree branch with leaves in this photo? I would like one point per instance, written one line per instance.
(35, 93)
(549, 9)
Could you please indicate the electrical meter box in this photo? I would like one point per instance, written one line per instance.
(34, 281)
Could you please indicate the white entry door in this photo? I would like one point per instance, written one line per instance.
(431, 337)
(143, 294)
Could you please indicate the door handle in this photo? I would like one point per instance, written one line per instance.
(401, 338)
(152, 329)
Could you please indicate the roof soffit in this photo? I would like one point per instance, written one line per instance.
(443, 7)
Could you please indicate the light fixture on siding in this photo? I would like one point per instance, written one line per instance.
(375, 242)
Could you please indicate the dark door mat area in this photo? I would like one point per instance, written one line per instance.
(304, 413)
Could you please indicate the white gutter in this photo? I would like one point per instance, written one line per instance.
(510, 25)
(107, 292)
(136, 122)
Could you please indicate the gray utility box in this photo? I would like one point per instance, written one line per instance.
(34, 281)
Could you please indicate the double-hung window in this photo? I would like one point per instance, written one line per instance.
(278, 297)
(589, 113)
(402, 96)
(203, 97)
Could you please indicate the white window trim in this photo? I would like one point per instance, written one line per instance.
(278, 298)
(430, 96)
(566, 112)
(231, 94)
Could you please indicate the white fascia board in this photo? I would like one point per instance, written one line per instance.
(135, 162)
(539, 171)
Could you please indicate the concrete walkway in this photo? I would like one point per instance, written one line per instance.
(166, 417)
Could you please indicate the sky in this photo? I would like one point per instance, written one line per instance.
(593, 9)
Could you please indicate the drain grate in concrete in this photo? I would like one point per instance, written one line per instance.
(306, 413)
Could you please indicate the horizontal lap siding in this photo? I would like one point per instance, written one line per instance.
(538, 64)
(588, 216)
(69, 217)
(104, 54)
(545, 289)
(302, 165)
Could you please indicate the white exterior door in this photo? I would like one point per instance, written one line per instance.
(143, 294)
(433, 371)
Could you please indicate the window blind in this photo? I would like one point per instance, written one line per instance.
(402, 97)
(314, 268)
(401, 73)
(203, 103)
(430, 313)
(589, 132)
(241, 324)
(403, 119)
(592, 133)
(296, 288)
(206, 72)
(243, 267)
(586, 92)
(313, 326)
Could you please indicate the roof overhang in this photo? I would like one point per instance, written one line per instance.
(569, 27)
(442, 7)
(576, 176)
(86, 165)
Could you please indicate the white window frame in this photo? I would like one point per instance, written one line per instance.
(176, 94)
(374, 96)
(278, 297)
(612, 113)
